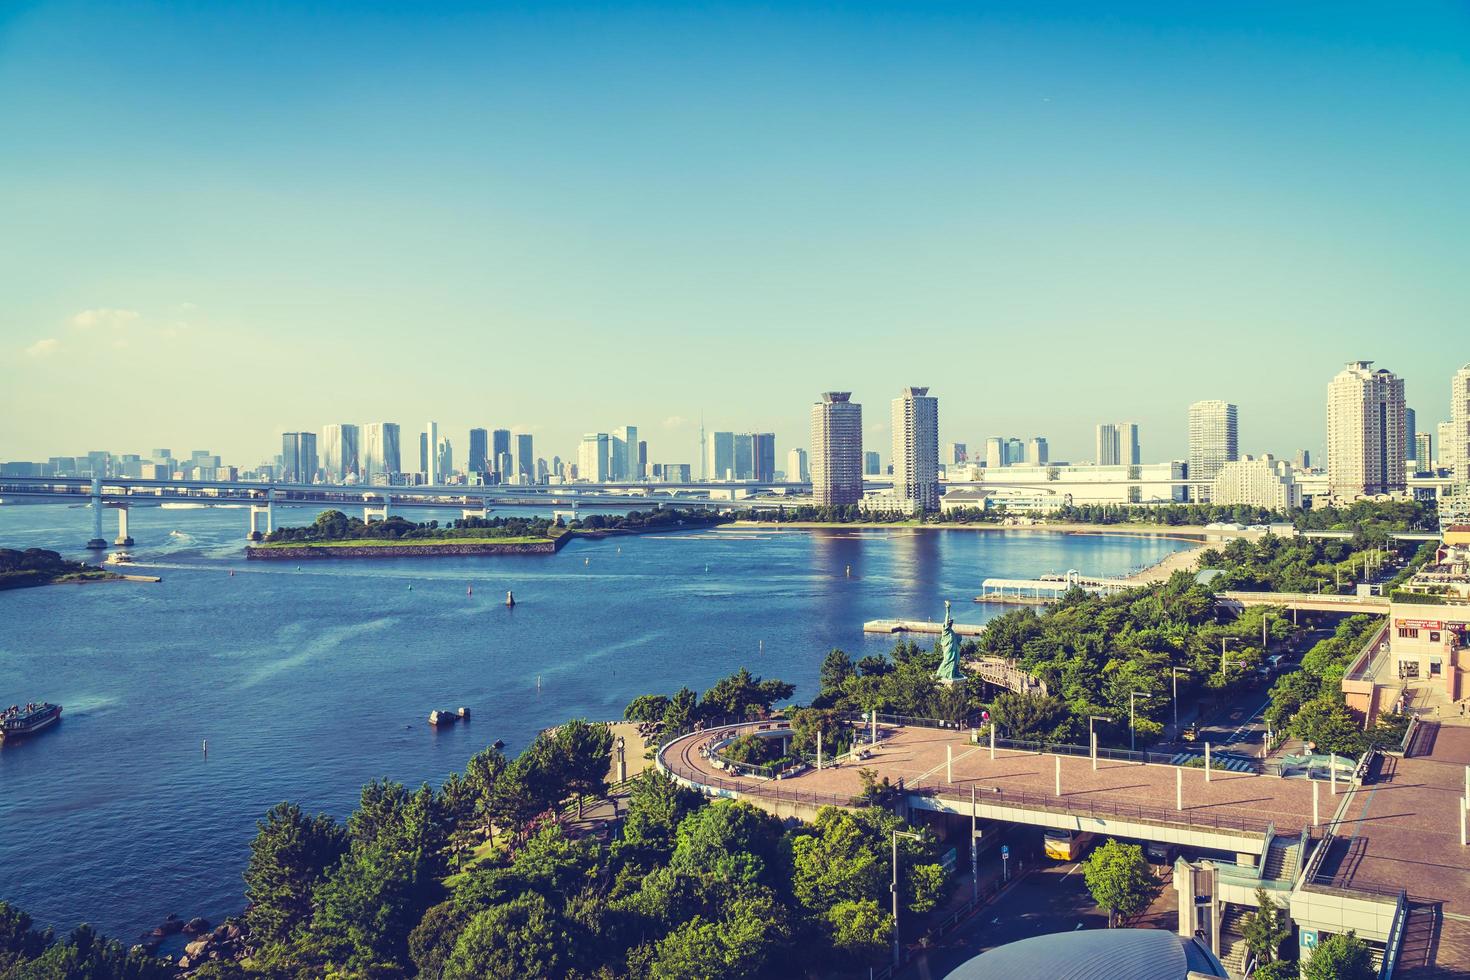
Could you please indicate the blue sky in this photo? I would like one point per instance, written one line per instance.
(223, 220)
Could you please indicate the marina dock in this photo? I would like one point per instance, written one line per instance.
(918, 626)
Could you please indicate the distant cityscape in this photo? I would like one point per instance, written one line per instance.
(1374, 447)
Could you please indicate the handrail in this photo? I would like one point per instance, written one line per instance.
(1395, 939)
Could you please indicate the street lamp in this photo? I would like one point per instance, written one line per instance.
(1092, 738)
(1224, 640)
(896, 835)
(1132, 731)
(1175, 672)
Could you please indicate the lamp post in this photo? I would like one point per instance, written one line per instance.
(1224, 640)
(896, 949)
(1132, 730)
(1174, 671)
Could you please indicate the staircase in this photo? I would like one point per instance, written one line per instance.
(1233, 951)
(1282, 860)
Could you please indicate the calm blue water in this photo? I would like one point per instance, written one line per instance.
(309, 682)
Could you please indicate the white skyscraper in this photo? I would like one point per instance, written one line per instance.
(837, 450)
(1117, 444)
(995, 452)
(431, 469)
(1213, 442)
(592, 457)
(1458, 452)
(916, 447)
(623, 450)
(339, 451)
(796, 468)
(1444, 432)
(1037, 452)
(1365, 431)
(380, 452)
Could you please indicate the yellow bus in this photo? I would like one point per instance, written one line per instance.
(1065, 845)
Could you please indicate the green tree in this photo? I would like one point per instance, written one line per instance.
(836, 669)
(481, 773)
(521, 938)
(289, 857)
(585, 753)
(19, 943)
(1276, 970)
(1120, 879)
(1265, 929)
(1328, 723)
(1340, 957)
(656, 805)
(86, 955)
(743, 695)
(860, 930)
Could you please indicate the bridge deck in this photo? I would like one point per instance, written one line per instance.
(1121, 789)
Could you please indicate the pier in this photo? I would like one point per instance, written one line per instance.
(919, 626)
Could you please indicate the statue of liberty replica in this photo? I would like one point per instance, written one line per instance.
(949, 652)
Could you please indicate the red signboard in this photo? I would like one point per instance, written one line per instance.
(1420, 624)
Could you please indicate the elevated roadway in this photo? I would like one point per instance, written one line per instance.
(1306, 602)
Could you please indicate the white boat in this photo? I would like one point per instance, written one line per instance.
(181, 505)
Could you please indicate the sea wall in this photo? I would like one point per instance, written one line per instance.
(296, 552)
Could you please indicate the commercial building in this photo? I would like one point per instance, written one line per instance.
(1423, 453)
(763, 456)
(837, 449)
(1445, 436)
(298, 457)
(1457, 452)
(1015, 453)
(622, 448)
(743, 447)
(1043, 489)
(1267, 483)
(1213, 442)
(429, 454)
(674, 472)
(525, 458)
(339, 452)
(499, 450)
(593, 457)
(1037, 454)
(872, 464)
(381, 461)
(955, 454)
(1117, 444)
(1303, 460)
(479, 458)
(1365, 431)
(915, 422)
(796, 468)
(995, 453)
(720, 456)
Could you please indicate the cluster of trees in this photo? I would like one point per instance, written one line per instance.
(1309, 703)
(27, 953)
(653, 519)
(37, 566)
(824, 514)
(901, 683)
(1372, 520)
(333, 525)
(739, 697)
(1094, 652)
(1277, 564)
(1171, 515)
(1120, 879)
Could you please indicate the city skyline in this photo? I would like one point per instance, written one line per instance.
(708, 185)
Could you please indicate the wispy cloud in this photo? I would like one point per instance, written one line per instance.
(43, 347)
(104, 317)
(675, 421)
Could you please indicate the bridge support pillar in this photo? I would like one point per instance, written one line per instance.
(98, 542)
(1207, 762)
(123, 538)
(1058, 760)
(257, 511)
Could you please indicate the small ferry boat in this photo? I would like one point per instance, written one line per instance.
(18, 720)
(119, 558)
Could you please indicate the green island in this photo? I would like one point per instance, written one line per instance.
(335, 535)
(503, 871)
(37, 566)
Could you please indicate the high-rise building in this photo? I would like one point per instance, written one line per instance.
(763, 456)
(915, 421)
(505, 468)
(380, 452)
(443, 460)
(525, 458)
(593, 457)
(1365, 431)
(1015, 451)
(995, 452)
(641, 472)
(955, 454)
(1303, 459)
(744, 456)
(1038, 454)
(1213, 441)
(1266, 483)
(500, 449)
(720, 456)
(429, 454)
(872, 464)
(298, 457)
(479, 458)
(796, 468)
(1423, 453)
(1457, 450)
(622, 450)
(837, 449)
(1409, 429)
(339, 459)
(1117, 444)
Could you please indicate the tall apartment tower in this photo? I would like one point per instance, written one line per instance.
(1117, 444)
(430, 454)
(837, 450)
(500, 449)
(1038, 453)
(525, 458)
(719, 458)
(623, 452)
(479, 460)
(916, 448)
(1423, 453)
(1457, 451)
(298, 457)
(381, 458)
(339, 447)
(796, 466)
(1213, 442)
(593, 457)
(763, 456)
(995, 453)
(1365, 431)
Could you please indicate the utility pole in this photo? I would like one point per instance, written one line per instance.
(897, 955)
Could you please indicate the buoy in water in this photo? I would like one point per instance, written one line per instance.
(469, 590)
(232, 573)
(586, 561)
(510, 600)
(849, 571)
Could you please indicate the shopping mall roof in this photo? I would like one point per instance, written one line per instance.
(1094, 954)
